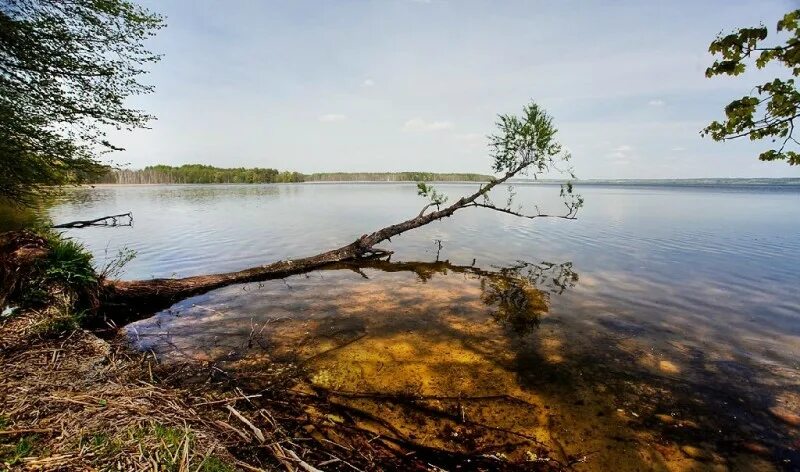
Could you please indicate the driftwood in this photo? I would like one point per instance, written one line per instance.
(129, 300)
(111, 220)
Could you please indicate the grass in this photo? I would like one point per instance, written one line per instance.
(172, 448)
(61, 287)
(62, 317)
(12, 454)
(69, 263)
(67, 268)
(215, 464)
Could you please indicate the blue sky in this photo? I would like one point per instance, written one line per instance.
(416, 84)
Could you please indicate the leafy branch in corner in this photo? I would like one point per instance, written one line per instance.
(769, 111)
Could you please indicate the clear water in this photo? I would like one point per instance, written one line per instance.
(678, 347)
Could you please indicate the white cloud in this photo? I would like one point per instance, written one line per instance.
(656, 102)
(418, 124)
(678, 149)
(621, 155)
(331, 117)
(368, 83)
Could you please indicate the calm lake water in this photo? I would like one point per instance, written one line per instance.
(663, 332)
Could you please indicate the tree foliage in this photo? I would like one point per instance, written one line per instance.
(66, 70)
(204, 174)
(198, 174)
(523, 144)
(396, 177)
(427, 191)
(770, 110)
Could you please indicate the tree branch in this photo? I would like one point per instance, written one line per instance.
(569, 216)
(111, 220)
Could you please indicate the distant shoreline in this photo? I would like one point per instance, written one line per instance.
(705, 182)
(193, 174)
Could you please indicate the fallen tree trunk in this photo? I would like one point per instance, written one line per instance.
(141, 296)
(130, 300)
(523, 143)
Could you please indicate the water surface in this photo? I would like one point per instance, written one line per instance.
(676, 344)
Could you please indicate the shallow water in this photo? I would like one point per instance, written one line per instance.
(676, 347)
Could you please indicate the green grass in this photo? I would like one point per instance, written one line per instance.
(69, 263)
(168, 444)
(215, 464)
(62, 285)
(12, 454)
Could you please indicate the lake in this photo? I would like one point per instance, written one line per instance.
(659, 330)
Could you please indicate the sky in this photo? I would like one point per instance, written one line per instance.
(394, 85)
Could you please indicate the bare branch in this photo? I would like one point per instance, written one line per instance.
(111, 220)
(569, 216)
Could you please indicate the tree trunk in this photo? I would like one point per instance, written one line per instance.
(129, 300)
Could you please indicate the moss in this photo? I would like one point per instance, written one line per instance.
(98, 440)
(171, 437)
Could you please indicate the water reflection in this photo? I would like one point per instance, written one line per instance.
(461, 358)
(520, 294)
(686, 314)
(516, 296)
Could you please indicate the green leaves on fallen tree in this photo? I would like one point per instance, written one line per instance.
(769, 112)
(523, 144)
(427, 191)
(526, 143)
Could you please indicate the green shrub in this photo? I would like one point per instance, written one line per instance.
(69, 263)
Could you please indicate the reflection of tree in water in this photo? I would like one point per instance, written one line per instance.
(518, 294)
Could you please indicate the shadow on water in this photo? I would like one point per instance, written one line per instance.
(466, 359)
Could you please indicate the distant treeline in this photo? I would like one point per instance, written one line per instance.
(202, 174)
(393, 177)
(198, 174)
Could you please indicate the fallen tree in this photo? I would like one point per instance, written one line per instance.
(523, 145)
